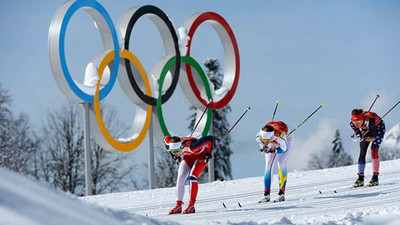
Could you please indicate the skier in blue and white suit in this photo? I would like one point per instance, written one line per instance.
(276, 146)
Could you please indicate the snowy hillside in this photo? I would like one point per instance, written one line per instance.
(336, 204)
(312, 197)
(25, 202)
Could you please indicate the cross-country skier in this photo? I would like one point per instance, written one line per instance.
(276, 146)
(195, 153)
(370, 124)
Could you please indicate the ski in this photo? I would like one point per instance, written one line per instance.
(334, 191)
(240, 204)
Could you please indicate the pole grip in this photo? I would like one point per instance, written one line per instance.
(377, 96)
(276, 107)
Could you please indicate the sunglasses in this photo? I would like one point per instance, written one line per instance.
(175, 150)
(266, 140)
(357, 122)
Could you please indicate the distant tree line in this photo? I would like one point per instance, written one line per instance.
(336, 157)
(54, 154)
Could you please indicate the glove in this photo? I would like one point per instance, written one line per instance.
(357, 138)
(208, 156)
(267, 149)
(272, 147)
(360, 138)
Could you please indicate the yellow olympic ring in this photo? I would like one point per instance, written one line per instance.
(139, 124)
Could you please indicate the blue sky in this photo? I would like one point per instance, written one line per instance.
(302, 53)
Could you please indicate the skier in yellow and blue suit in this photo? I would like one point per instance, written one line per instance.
(276, 145)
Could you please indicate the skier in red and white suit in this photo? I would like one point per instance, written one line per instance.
(195, 153)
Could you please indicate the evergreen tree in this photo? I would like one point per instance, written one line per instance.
(336, 157)
(220, 127)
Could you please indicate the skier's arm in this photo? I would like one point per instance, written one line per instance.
(357, 136)
(199, 147)
(260, 143)
(187, 141)
(355, 129)
(372, 130)
(206, 139)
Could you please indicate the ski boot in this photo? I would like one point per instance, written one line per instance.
(374, 181)
(177, 209)
(359, 182)
(190, 208)
(266, 198)
(281, 198)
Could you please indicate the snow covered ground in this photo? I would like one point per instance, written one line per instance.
(312, 197)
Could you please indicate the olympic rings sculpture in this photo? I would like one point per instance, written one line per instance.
(133, 78)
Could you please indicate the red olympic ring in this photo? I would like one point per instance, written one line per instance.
(228, 46)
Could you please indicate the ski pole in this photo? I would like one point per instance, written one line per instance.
(248, 108)
(276, 106)
(201, 117)
(377, 96)
(389, 110)
(322, 105)
(363, 135)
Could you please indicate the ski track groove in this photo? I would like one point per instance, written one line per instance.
(241, 195)
(286, 210)
(296, 207)
(290, 210)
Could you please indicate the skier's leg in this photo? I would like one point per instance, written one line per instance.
(183, 172)
(375, 148)
(197, 169)
(361, 157)
(374, 154)
(361, 164)
(282, 172)
(268, 174)
(282, 159)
